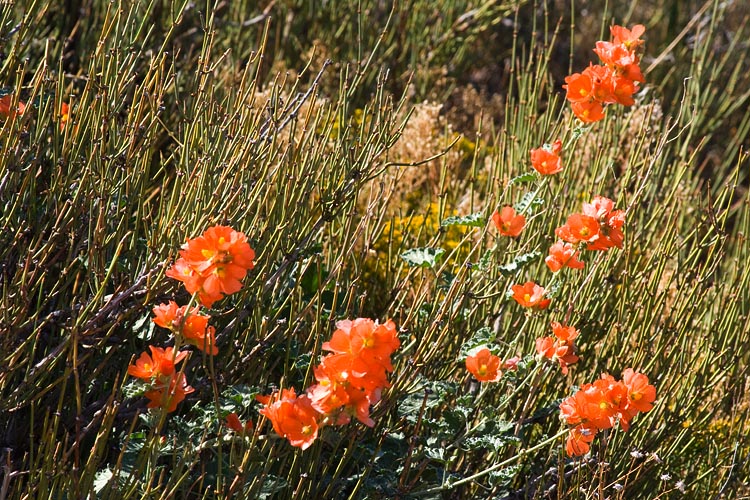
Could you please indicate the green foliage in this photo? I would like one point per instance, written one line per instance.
(423, 257)
(518, 263)
(472, 220)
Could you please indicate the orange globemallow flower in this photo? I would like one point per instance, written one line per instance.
(629, 38)
(579, 87)
(588, 111)
(579, 227)
(234, 423)
(6, 107)
(561, 348)
(64, 115)
(169, 395)
(610, 223)
(508, 222)
(613, 82)
(330, 393)
(193, 327)
(363, 351)
(293, 417)
(484, 365)
(546, 160)
(603, 404)
(564, 333)
(579, 440)
(530, 295)
(214, 263)
(563, 353)
(161, 363)
(563, 254)
(641, 395)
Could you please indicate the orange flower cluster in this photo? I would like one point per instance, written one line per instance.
(560, 348)
(213, 264)
(168, 387)
(602, 404)
(563, 254)
(546, 160)
(191, 326)
(615, 81)
(210, 266)
(486, 367)
(6, 107)
(508, 222)
(6, 110)
(349, 381)
(530, 295)
(599, 226)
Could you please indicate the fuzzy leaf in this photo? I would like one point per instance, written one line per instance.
(524, 178)
(102, 479)
(472, 220)
(519, 263)
(482, 337)
(423, 257)
(529, 200)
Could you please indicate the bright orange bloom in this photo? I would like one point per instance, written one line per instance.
(193, 328)
(484, 365)
(579, 227)
(546, 160)
(588, 112)
(564, 333)
(530, 295)
(214, 263)
(363, 351)
(629, 38)
(234, 423)
(359, 407)
(614, 54)
(641, 395)
(602, 78)
(610, 223)
(561, 348)
(579, 440)
(6, 102)
(624, 89)
(579, 87)
(603, 404)
(557, 351)
(563, 254)
(292, 417)
(161, 363)
(165, 315)
(614, 82)
(169, 395)
(64, 115)
(508, 223)
(351, 379)
(193, 282)
(330, 393)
